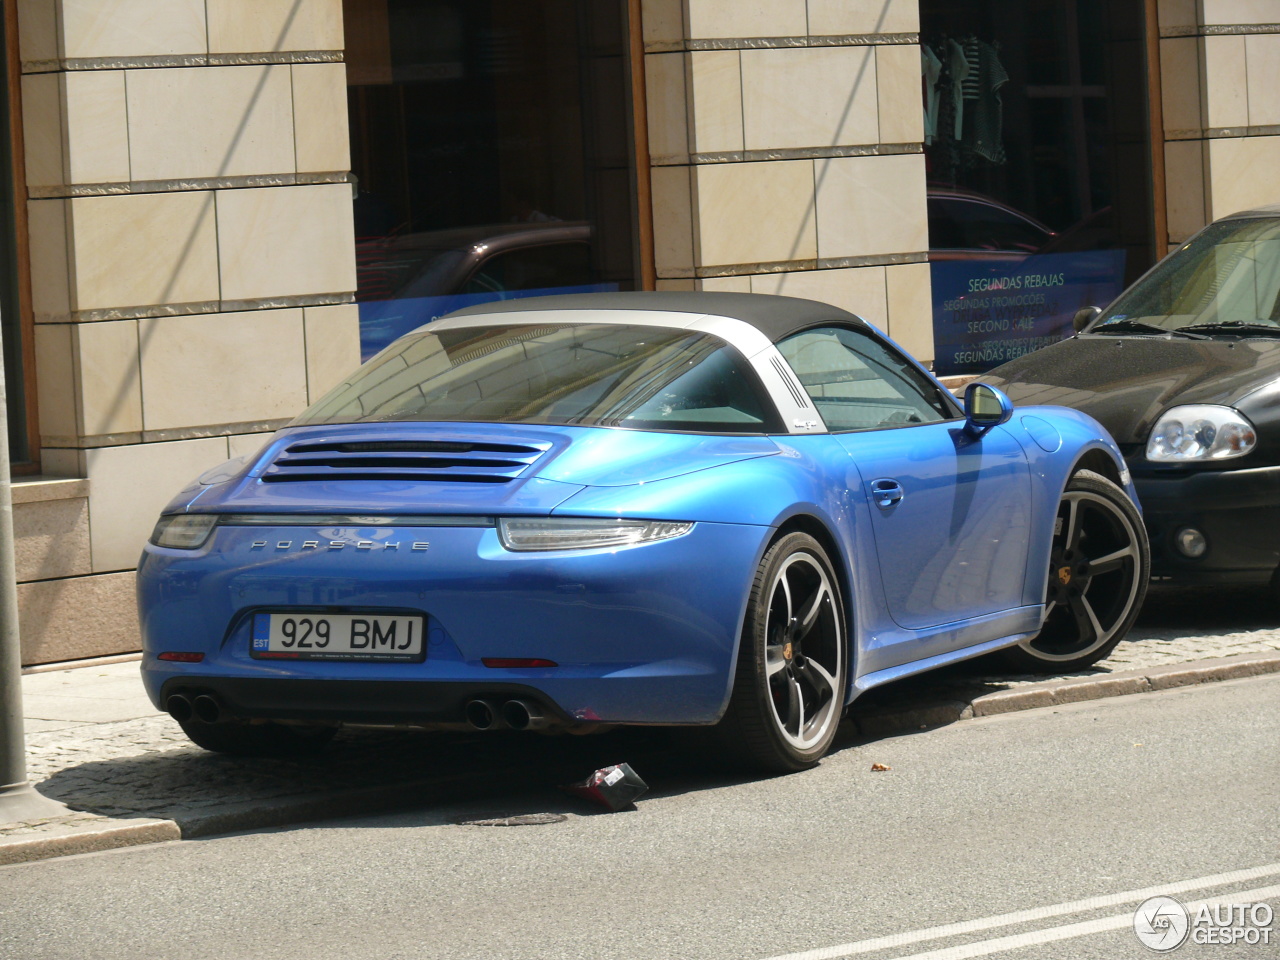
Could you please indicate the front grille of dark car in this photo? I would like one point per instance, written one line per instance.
(446, 461)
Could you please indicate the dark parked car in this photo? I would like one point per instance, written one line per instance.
(1184, 370)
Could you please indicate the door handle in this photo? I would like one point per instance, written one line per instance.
(886, 492)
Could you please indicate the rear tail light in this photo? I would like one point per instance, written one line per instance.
(181, 656)
(184, 531)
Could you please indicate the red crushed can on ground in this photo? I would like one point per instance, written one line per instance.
(614, 788)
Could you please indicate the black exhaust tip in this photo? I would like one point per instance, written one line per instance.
(206, 708)
(179, 707)
(480, 714)
(522, 715)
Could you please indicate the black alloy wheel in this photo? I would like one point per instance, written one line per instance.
(789, 687)
(1098, 572)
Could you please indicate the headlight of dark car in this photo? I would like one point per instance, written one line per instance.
(184, 531)
(1200, 431)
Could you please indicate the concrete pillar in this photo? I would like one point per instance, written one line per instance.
(192, 258)
(785, 143)
(1220, 77)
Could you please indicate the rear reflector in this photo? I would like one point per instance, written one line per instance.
(517, 662)
(181, 656)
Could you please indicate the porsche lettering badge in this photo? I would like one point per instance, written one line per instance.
(418, 546)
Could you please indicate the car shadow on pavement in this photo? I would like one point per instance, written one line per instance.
(358, 772)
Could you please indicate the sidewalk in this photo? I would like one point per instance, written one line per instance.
(96, 744)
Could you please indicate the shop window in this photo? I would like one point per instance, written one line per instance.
(1039, 168)
(491, 145)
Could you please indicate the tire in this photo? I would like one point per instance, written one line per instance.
(789, 684)
(258, 739)
(1098, 573)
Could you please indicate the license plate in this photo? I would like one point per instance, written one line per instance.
(336, 636)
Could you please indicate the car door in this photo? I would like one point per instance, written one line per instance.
(950, 511)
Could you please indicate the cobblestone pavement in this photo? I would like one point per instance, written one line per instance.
(1174, 627)
(143, 766)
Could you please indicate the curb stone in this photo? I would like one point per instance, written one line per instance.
(1053, 693)
(89, 833)
(84, 833)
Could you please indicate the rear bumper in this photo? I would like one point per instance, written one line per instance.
(1238, 511)
(646, 634)
(384, 702)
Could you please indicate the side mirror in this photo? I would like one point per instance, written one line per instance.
(985, 407)
(1085, 316)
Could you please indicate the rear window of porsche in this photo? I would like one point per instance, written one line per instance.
(617, 375)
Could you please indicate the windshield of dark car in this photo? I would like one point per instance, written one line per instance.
(649, 378)
(1225, 280)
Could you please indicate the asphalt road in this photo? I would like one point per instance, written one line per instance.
(973, 821)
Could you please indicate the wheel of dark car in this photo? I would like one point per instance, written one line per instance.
(788, 693)
(258, 739)
(1098, 573)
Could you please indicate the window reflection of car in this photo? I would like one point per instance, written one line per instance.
(493, 257)
(964, 225)
(1184, 370)
(406, 280)
(1097, 231)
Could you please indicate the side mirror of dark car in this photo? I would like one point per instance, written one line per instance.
(985, 407)
(1085, 316)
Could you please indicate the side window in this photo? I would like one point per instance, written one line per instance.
(858, 383)
(535, 268)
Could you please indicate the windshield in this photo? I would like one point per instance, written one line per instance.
(649, 378)
(1225, 281)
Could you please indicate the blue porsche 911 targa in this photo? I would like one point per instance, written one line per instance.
(637, 508)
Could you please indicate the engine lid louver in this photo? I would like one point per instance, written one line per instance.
(447, 461)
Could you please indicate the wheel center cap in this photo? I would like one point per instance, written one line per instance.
(1064, 575)
(787, 652)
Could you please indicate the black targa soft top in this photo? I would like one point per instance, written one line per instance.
(776, 317)
(1269, 210)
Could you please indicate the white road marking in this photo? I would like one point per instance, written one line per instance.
(985, 948)
(1129, 897)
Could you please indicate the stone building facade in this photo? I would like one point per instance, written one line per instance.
(1220, 82)
(183, 205)
(191, 265)
(785, 143)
